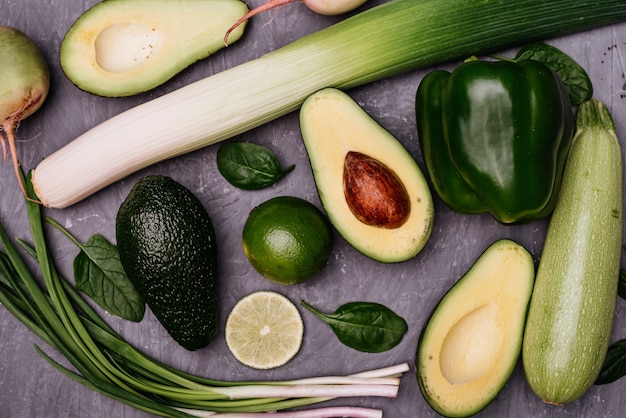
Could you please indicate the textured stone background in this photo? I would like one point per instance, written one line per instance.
(30, 388)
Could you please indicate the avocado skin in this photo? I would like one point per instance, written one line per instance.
(167, 246)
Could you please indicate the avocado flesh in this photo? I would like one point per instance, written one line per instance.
(333, 125)
(167, 247)
(126, 47)
(471, 343)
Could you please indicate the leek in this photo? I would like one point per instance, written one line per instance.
(385, 40)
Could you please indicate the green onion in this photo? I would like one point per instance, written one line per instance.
(108, 364)
(395, 37)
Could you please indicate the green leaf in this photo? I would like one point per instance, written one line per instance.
(249, 166)
(621, 288)
(574, 76)
(614, 366)
(99, 274)
(364, 326)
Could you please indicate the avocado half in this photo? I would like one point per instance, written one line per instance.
(355, 161)
(126, 47)
(472, 341)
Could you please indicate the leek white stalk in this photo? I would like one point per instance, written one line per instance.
(388, 39)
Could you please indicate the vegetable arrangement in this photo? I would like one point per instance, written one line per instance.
(103, 361)
(382, 41)
(108, 364)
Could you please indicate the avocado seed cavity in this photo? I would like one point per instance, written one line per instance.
(122, 47)
(471, 346)
(374, 192)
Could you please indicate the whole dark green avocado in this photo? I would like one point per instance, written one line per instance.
(167, 246)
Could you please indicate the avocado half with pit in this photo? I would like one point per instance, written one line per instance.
(126, 47)
(472, 341)
(370, 186)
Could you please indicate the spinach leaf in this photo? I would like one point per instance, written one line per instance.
(574, 77)
(614, 366)
(98, 273)
(621, 288)
(364, 326)
(249, 166)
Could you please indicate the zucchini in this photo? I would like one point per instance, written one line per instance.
(391, 38)
(571, 311)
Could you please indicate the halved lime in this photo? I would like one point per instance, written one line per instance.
(264, 330)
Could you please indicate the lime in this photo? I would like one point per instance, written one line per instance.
(264, 330)
(287, 240)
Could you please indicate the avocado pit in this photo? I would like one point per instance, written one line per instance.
(374, 192)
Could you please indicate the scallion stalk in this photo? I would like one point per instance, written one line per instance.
(395, 37)
(354, 412)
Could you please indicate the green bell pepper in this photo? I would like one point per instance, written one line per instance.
(494, 137)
